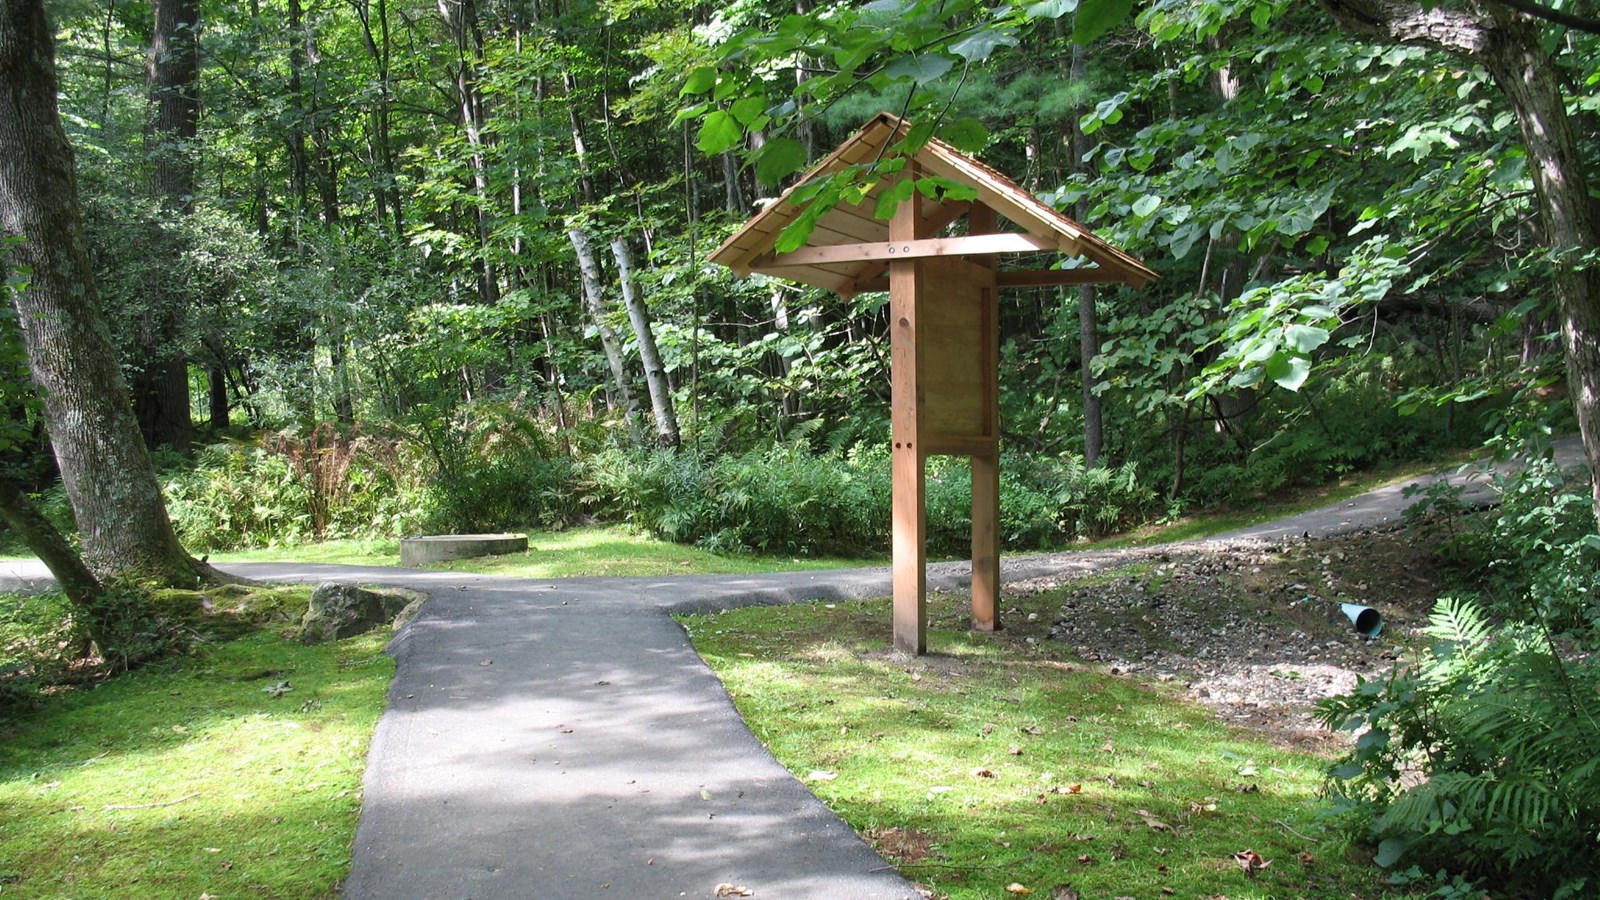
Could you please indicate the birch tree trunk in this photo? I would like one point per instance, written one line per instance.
(594, 300)
(655, 374)
(462, 18)
(122, 520)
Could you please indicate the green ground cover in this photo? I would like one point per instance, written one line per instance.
(996, 766)
(233, 770)
(596, 550)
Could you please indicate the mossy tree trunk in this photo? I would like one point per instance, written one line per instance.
(122, 519)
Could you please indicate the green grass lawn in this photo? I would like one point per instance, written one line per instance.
(198, 775)
(597, 550)
(994, 767)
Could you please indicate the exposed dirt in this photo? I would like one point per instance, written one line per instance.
(1252, 629)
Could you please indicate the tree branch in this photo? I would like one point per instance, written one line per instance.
(1402, 21)
(1540, 11)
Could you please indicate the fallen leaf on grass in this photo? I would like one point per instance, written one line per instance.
(1152, 821)
(728, 889)
(1063, 892)
(1015, 751)
(1015, 888)
(821, 775)
(1250, 861)
(1307, 860)
(984, 773)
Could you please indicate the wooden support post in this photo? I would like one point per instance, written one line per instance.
(986, 465)
(986, 542)
(909, 485)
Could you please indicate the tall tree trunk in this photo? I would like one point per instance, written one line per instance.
(161, 385)
(1088, 320)
(385, 194)
(1507, 44)
(173, 79)
(594, 299)
(655, 374)
(462, 18)
(299, 116)
(122, 520)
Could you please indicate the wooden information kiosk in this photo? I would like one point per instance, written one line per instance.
(943, 325)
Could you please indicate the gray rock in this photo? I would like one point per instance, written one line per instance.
(338, 611)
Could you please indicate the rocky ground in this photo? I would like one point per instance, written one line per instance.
(1251, 629)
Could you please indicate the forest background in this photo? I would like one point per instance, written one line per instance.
(372, 268)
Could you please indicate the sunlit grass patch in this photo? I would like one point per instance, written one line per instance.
(608, 550)
(993, 763)
(234, 771)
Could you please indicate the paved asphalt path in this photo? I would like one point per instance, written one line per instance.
(561, 739)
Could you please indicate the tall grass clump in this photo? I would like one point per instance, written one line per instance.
(291, 487)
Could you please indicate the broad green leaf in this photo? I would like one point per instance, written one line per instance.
(1183, 240)
(977, 46)
(920, 69)
(700, 80)
(779, 158)
(1096, 17)
(719, 133)
(1305, 338)
(748, 111)
(1146, 205)
(795, 234)
(967, 135)
(898, 193)
(1389, 852)
(1051, 9)
(1260, 352)
(1288, 372)
(1347, 771)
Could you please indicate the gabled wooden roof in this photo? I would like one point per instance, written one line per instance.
(848, 249)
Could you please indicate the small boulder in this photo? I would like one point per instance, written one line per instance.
(338, 611)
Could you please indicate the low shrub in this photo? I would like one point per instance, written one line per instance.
(787, 498)
(287, 488)
(1483, 757)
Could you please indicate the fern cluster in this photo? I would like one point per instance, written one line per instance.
(1482, 756)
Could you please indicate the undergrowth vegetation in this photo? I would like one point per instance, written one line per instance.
(1480, 757)
(498, 465)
